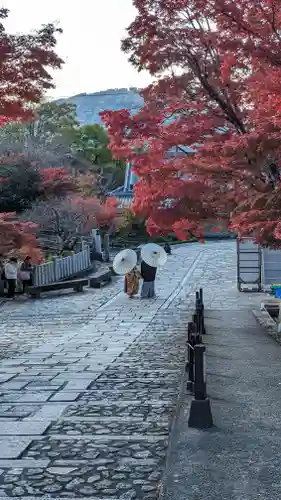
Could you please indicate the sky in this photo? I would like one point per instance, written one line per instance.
(89, 45)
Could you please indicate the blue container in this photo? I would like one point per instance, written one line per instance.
(277, 293)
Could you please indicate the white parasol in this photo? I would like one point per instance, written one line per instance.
(125, 261)
(153, 255)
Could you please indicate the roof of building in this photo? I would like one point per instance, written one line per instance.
(123, 192)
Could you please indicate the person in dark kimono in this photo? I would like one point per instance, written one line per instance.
(148, 274)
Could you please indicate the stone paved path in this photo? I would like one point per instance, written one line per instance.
(86, 405)
(27, 323)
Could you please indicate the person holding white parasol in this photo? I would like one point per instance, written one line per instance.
(125, 263)
(152, 256)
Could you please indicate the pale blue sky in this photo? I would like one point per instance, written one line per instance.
(89, 45)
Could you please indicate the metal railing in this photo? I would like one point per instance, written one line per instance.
(62, 268)
(200, 411)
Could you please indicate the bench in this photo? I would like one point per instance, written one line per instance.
(76, 284)
(101, 278)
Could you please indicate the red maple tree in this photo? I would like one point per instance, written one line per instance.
(107, 216)
(18, 237)
(24, 63)
(218, 69)
(57, 182)
(93, 212)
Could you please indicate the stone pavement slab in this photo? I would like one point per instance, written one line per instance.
(23, 428)
(18, 464)
(239, 457)
(13, 446)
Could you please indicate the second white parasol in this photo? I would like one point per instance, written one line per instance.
(153, 255)
(125, 261)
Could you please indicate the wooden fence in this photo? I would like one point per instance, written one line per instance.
(62, 268)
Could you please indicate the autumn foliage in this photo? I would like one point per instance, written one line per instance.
(18, 237)
(37, 194)
(91, 212)
(21, 185)
(57, 182)
(22, 182)
(108, 213)
(206, 144)
(24, 63)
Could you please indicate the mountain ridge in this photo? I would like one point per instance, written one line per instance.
(89, 105)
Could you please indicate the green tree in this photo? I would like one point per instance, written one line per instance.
(55, 139)
(91, 150)
(91, 142)
(47, 138)
(54, 121)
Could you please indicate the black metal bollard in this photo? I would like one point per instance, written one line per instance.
(189, 368)
(190, 330)
(201, 320)
(199, 317)
(195, 320)
(194, 338)
(200, 376)
(194, 329)
(202, 327)
(200, 415)
(201, 296)
(200, 312)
